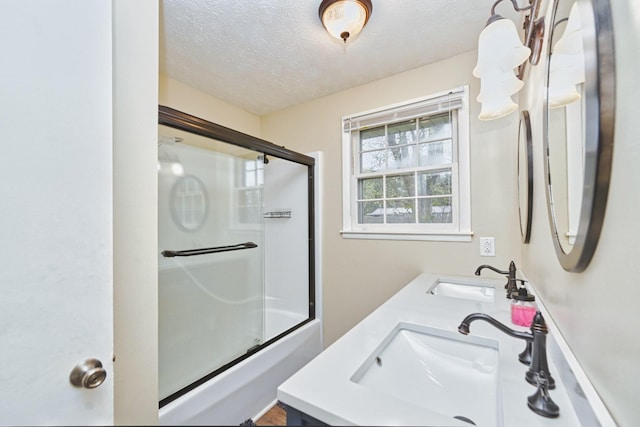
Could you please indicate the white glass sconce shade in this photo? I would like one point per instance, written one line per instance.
(499, 52)
(499, 48)
(562, 95)
(344, 19)
(565, 72)
(495, 97)
(497, 108)
(505, 83)
(567, 64)
(574, 24)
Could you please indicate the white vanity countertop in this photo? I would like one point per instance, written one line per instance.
(323, 388)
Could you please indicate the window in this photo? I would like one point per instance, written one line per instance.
(406, 170)
(249, 191)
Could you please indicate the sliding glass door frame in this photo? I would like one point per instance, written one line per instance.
(185, 122)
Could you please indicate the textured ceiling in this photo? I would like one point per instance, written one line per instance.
(266, 55)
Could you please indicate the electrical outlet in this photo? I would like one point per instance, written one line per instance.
(487, 246)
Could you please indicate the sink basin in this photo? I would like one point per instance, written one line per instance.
(463, 289)
(442, 371)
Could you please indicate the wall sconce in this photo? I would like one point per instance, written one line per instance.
(344, 19)
(500, 51)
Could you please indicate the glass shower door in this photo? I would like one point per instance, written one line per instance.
(211, 257)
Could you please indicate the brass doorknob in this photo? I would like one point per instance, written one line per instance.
(88, 374)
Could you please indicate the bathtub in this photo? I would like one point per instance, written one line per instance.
(248, 389)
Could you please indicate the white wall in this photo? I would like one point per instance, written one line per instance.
(286, 244)
(596, 310)
(359, 275)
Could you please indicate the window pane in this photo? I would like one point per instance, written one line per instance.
(401, 186)
(250, 197)
(250, 179)
(435, 127)
(370, 212)
(434, 183)
(402, 133)
(402, 157)
(261, 176)
(370, 188)
(435, 210)
(373, 161)
(372, 139)
(401, 211)
(436, 153)
(250, 206)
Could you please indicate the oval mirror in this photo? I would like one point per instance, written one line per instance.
(189, 205)
(525, 176)
(578, 126)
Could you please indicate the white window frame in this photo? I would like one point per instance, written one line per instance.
(240, 180)
(460, 228)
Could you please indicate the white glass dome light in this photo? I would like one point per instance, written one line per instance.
(344, 19)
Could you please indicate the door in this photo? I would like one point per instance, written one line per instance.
(56, 304)
(211, 258)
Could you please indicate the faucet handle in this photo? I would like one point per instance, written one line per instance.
(513, 290)
(512, 286)
(522, 281)
(540, 402)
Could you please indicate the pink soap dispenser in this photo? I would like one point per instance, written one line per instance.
(523, 307)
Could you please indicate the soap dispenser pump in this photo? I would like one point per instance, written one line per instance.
(523, 307)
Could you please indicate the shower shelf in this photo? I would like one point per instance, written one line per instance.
(204, 251)
(284, 213)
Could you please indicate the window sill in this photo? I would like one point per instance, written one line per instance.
(462, 236)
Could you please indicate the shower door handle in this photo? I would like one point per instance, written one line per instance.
(204, 251)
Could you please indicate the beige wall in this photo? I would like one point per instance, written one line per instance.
(135, 206)
(596, 310)
(359, 275)
(184, 98)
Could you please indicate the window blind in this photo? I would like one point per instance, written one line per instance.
(439, 104)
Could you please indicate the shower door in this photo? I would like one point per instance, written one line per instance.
(211, 260)
(236, 248)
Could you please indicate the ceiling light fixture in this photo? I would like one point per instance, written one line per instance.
(344, 19)
(500, 51)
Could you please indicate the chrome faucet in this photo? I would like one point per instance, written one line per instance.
(538, 373)
(511, 285)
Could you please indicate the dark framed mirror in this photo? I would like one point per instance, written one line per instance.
(578, 126)
(525, 176)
